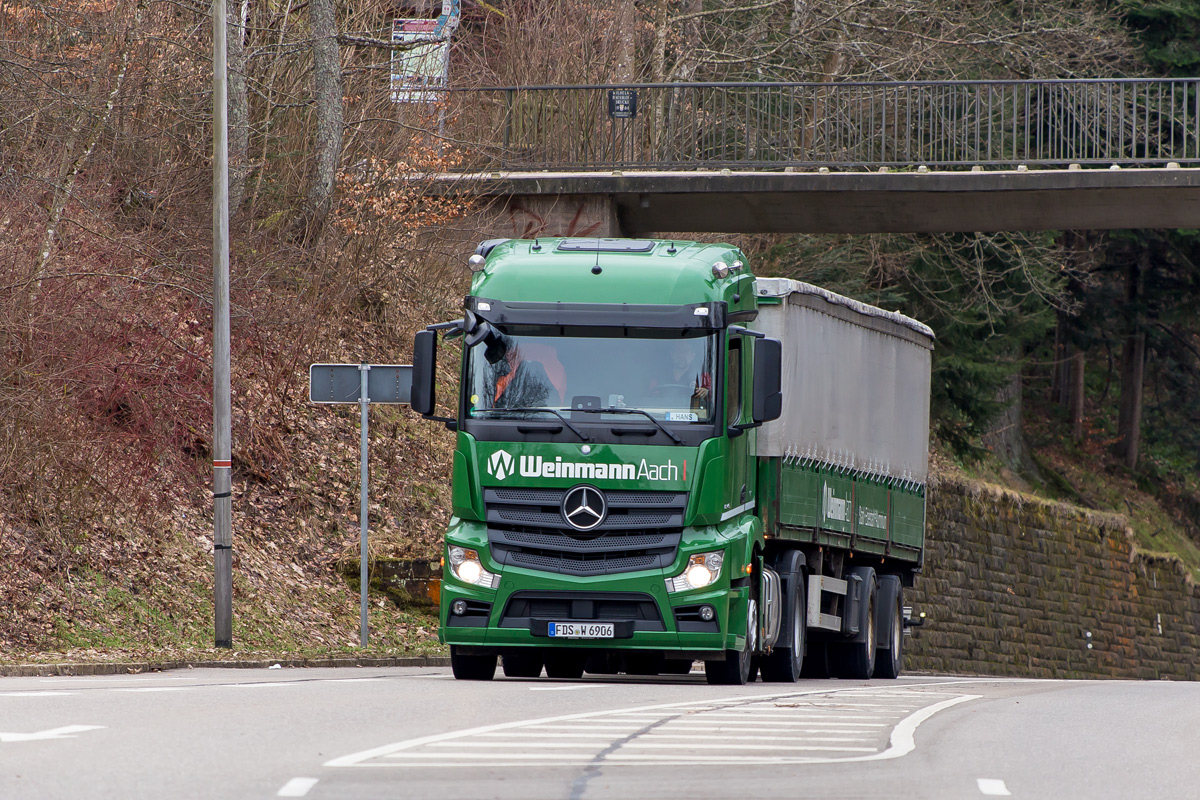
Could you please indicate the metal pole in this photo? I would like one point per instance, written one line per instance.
(222, 435)
(363, 403)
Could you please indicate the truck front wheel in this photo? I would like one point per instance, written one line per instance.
(472, 667)
(734, 669)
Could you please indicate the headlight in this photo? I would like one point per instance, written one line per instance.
(702, 570)
(466, 566)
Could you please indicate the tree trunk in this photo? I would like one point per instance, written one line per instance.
(1133, 366)
(239, 107)
(327, 94)
(625, 68)
(1075, 395)
(1006, 438)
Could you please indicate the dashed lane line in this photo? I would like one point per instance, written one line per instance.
(993, 787)
(297, 787)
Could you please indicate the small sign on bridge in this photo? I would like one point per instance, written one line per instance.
(622, 103)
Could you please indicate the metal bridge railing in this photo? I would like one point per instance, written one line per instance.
(954, 124)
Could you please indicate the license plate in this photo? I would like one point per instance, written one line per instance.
(581, 630)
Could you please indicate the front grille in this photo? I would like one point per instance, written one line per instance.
(590, 564)
(641, 531)
(542, 508)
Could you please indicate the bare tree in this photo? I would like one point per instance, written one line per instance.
(330, 117)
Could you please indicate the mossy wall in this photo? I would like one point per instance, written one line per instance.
(1013, 586)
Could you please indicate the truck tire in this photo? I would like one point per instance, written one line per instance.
(785, 662)
(856, 660)
(734, 669)
(889, 662)
(522, 665)
(472, 668)
(565, 665)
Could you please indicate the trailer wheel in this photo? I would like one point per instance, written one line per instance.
(734, 669)
(472, 668)
(890, 662)
(522, 665)
(856, 660)
(785, 663)
(565, 664)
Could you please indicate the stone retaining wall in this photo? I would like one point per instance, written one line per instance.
(1018, 586)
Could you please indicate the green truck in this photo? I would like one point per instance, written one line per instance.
(662, 459)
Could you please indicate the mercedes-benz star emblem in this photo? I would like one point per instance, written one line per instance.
(584, 507)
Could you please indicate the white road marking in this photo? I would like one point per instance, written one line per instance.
(571, 687)
(36, 694)
(993, 787)
(733, 724)
(656, 734)
(642, 743)
(66, 732)
(901, 741)
(256, 685)
(154, 689)
(297, 787)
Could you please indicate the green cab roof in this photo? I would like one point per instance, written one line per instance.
(590, 270)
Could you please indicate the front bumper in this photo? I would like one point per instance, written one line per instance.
(644, 614)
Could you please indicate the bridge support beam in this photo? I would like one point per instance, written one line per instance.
(528, 216)
(644, 203)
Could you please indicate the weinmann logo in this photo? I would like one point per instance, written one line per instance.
(833, 506)
(500, 465)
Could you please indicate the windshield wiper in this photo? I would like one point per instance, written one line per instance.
(645, 414)
(542, 410)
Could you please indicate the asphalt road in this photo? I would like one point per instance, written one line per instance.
(417, 733)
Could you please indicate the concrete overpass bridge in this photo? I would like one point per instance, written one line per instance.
(832, 157)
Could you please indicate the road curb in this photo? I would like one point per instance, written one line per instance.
(136, 667)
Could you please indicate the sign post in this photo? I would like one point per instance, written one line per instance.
(363, 384)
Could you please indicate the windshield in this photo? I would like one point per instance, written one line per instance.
(670, 379)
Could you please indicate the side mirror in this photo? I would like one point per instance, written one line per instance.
(768, 375)
(424, 373)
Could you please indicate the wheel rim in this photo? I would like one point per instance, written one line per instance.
(897, 634)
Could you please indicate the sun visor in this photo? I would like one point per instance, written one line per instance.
(595, 316)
